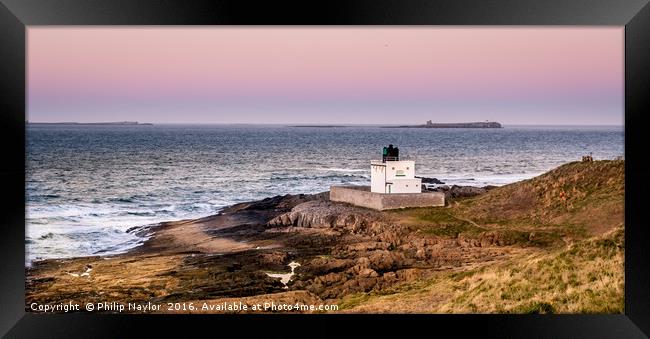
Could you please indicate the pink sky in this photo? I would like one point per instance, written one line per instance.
(515, 75)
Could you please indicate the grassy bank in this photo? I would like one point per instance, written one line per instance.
(567, 226)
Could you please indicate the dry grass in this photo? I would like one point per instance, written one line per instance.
(573, 201)
(585, 277)
(587, 196)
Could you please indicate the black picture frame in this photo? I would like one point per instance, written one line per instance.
(16, 15)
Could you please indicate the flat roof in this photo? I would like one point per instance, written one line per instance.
(379, 162)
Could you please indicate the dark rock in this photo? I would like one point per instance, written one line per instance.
(383, 261)
(330, 279)
(322, 266)
(426, 180)
(234, 267)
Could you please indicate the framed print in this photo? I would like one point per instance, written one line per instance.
(469, 166)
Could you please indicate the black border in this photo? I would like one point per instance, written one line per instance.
(16, 14)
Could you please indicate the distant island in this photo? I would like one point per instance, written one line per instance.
(119, 123)
(319, 126)
(429, 124)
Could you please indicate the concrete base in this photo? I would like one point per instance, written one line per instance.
(361, 196)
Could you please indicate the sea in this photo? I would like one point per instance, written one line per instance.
(86, 185)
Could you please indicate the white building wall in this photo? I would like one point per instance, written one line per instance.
(404, 169)
(394, 177)
(378, 178)
(406, 186)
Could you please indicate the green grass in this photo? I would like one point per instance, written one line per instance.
(438, 221)
(353, 300)
(444, 222)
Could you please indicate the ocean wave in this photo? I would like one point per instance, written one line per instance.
(121, 247)
(48, 235)
(335, 169)
(141, 213)
(72, 242)
(130, 199)
(312, 178)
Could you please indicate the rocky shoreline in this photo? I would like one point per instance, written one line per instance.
(343, 251)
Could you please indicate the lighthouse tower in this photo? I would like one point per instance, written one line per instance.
(391, 175)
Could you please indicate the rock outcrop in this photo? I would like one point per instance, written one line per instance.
(426, 180)
(373, 251)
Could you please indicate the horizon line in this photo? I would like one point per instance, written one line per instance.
(301, 124)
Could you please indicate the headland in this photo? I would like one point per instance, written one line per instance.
(550, 244)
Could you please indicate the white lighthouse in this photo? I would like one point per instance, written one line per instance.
(391, 175)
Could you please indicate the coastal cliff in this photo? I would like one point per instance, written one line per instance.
(553, 243)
